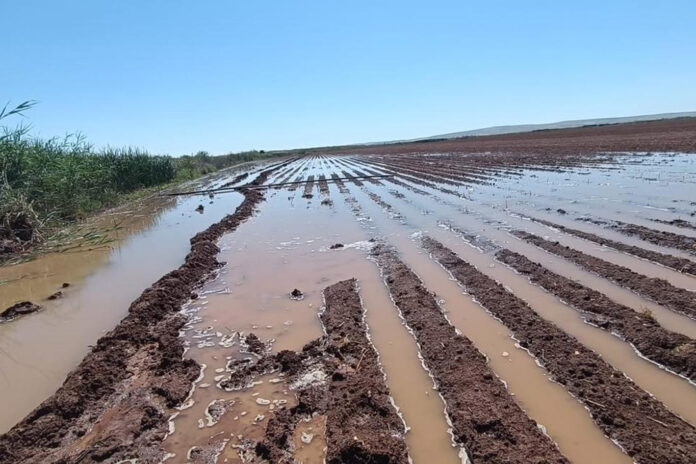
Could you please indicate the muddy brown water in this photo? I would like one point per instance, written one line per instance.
(38, 350)
(251, 298)
(677, 393)
(567, 422)
(287, 246)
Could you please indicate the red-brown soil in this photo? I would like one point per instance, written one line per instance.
(678, 264)
(653, 136)
(644, 428)
(658, 237)
(362, 425)
(675, 351)
(485, 418)
(658, 290)
(114, 404)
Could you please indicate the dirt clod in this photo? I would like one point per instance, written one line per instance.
(296, 295)
(55, 296)
(19, 309)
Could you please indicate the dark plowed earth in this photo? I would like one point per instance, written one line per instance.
(644, 428)
(675, 351)
(658, 237)
(658, 290)
(678, 264)
(677, 223)
(653, 136)
(485, 419)
(362, 425)
(114, 405)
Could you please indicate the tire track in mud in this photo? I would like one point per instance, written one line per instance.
(639, 423)
(674, 351)
(658, 290)
(114, 404)
(338, 376)
(673, 262)
(485, 419)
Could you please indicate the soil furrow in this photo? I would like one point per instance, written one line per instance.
(339, 183)
(485, 419)
(640, 424)
(323, 185)
(677, 223)
(309, 186)
(658, 290)
(657, 237)
(673, 262)
(338, 376)
(114, 404)
(357, 182)
(674, 351)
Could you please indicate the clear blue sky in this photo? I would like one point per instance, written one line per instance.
(180, 76)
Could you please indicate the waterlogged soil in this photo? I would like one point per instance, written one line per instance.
(220, 361)
(658, 290)
(640, 424)
(114, 404)
(674, 351)
(678, 264)
(658, 237)
(337, 377)
(485, 419)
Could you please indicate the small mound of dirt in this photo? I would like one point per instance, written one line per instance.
(200, 208)
(254, 344)
(296, 295)
(335, 246)
(55, 296)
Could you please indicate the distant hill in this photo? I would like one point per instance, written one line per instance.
(498, 130)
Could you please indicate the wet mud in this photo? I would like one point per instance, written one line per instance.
(640, 424)
(678, 264)
(339, 377)
(113, 405)
(674, 351)
(485, 418)
(658, 237)
(19, 309)
(677, 223)
(657, 290)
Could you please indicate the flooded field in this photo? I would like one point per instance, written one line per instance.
(391, 308)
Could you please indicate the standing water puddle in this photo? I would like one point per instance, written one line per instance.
(286, 247)
(38, 350)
